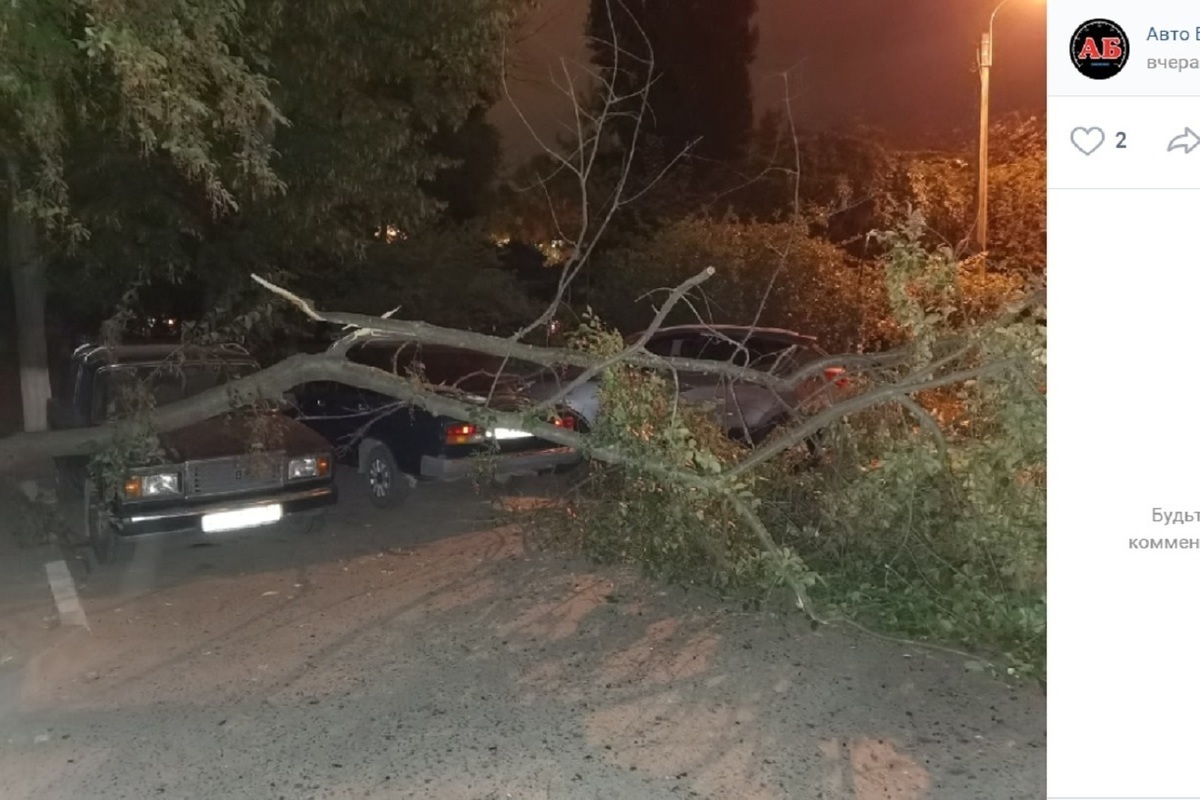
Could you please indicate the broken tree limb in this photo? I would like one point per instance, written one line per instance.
(425, 333)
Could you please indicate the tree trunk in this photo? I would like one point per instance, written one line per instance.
(29, 290)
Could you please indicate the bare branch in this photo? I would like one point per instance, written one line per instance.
(672, 299)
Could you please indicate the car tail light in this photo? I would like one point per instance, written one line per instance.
(463, 434)
(567, 422)
(836, 376)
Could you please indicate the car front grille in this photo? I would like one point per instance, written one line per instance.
(235, 474)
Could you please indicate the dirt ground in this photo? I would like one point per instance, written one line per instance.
(423, 653)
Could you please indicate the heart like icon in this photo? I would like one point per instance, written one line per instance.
(1087, 140)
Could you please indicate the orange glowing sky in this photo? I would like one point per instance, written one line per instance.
(905, 66)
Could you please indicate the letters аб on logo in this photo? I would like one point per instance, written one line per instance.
(1099, 49)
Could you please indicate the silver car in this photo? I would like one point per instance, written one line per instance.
(745, 411)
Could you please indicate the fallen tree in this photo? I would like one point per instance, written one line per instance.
(24, 448)
(895, 377)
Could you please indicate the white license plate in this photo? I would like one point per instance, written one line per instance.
(241, 518)
(508, 433)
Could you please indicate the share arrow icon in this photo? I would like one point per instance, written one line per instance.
(1187, 141)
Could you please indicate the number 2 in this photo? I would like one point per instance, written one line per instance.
(1121, 140)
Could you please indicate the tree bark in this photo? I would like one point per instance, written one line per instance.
(29, 290)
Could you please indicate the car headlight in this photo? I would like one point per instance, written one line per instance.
(308, 467)
(156, 485)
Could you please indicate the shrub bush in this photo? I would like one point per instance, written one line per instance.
(938, 535)
(798, 282)
(933, 535)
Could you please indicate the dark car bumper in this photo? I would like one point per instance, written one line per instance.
(170, 519)
(518, 463)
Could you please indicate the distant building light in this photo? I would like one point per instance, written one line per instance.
(556, 251)
(390, 233)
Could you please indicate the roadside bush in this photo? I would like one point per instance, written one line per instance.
(628, 514)
(774, 273)
(937, 534)
(777, 275)
(922, 530)
(1017, 214)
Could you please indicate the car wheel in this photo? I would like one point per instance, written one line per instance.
(385, 483)
(99, 532)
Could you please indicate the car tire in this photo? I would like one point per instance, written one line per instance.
(99, 533)
(386, 485)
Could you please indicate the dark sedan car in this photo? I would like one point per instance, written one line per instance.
(234, 471)
(393, 444)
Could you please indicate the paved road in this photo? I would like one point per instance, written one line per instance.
(421, 653)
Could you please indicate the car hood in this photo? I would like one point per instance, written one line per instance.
(232, 435)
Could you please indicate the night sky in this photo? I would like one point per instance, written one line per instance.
(904, 66)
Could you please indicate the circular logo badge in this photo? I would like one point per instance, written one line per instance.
(1099, 49)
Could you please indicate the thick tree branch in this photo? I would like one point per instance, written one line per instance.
(423, 332)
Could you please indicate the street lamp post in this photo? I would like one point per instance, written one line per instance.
(985, 68)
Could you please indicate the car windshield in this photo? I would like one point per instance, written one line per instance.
(123, 389)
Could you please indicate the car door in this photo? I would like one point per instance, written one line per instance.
(332, 409)
(701, 388)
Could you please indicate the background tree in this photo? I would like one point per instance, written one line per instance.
(467, 187)
(150, 140)
(171, 78)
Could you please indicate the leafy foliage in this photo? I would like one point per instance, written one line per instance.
(944, 185)
(160, 137)
(169, 77)
(770, 272)
(371, 89)
(677, 531)
(945, 539)
(448, 275)
(934, 536)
